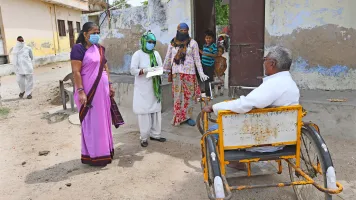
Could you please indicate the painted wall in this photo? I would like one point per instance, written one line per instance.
(67, 14)
(36, 21)
(322, 36)
(76, 4)
(122, 34)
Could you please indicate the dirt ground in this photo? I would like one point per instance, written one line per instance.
(162, 171)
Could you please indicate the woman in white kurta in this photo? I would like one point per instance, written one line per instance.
(147, 91)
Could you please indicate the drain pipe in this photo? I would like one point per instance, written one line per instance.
(54, 36)
(55, 21)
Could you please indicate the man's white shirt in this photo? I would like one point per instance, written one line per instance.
(276, 90)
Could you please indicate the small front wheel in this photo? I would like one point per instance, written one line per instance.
(212, 158)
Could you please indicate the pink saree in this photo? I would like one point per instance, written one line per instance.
(97, 141)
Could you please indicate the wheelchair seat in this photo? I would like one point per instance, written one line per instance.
(237, 155)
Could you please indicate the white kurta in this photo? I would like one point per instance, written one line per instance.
(276, 90)
(144, 100)
(145, 104)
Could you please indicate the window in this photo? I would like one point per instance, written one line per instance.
(61, 28)
(78, 27)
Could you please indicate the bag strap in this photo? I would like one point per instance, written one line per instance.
(90, 96)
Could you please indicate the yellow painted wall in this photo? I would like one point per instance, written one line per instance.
(77, 4)
(35, 20)
(67, 14)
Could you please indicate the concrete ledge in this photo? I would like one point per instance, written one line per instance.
(124, 87)
(44, 60)
(6, 69)
(167, 97)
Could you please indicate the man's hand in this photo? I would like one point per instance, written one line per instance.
(208, 109)
(201, 52)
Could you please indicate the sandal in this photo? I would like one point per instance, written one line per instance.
(21, 94)
(191, 122)
(144, 143)
(161, 139)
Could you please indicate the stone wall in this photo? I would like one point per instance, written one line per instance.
(121, 34)
(321, 34)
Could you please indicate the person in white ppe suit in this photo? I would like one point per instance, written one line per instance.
(147, 91)
(22, 60)
(278, 89)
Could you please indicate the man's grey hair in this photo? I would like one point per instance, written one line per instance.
(283, 57)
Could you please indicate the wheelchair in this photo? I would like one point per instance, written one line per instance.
(304, 152)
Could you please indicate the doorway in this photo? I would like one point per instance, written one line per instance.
(204, 19)
(247, 25)
(71, 33)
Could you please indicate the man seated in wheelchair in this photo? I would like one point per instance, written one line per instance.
(278, 89)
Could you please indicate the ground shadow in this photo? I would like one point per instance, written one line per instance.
(127, 154)
(60, 172)
(194, 188)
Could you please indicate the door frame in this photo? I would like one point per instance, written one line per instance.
(71, 40)
(197, 34)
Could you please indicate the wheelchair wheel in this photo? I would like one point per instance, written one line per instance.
(313, 152)
(200, 123)
(212, 161)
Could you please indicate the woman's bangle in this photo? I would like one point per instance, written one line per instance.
(110, 83)
(80, 89)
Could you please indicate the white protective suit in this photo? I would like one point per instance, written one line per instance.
(22, 60)
(145, 104)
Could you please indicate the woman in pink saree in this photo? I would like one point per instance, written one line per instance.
(92, 96)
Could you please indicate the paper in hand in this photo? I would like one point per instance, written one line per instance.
(158, 72)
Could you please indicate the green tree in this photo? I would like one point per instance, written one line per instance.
(144, 3)
(121, 4)
(222, 13)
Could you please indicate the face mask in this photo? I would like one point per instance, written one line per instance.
(20, 44)
(94, 38)
(150, 46)
(182, 36)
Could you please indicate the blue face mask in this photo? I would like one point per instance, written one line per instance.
(150, 46)
(94, 38)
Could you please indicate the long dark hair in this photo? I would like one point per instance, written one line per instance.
(86, 28)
